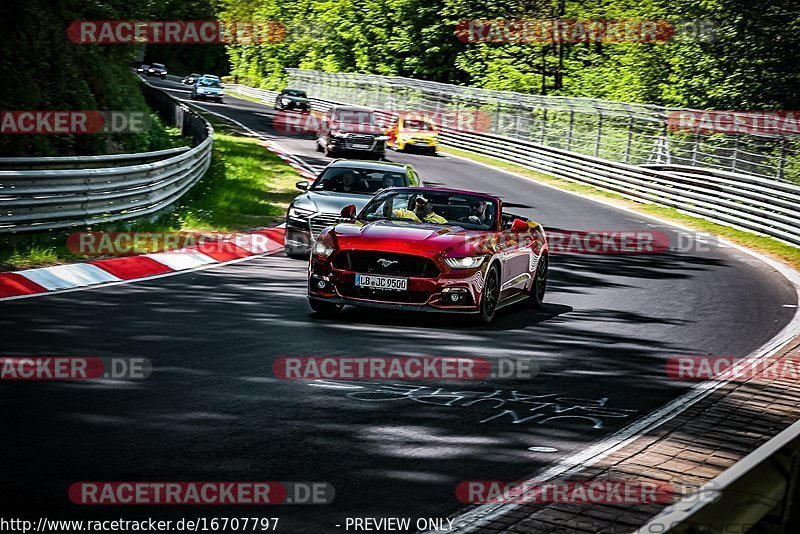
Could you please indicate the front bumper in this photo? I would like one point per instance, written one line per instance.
(423, 293)
(302, 108)
(392, 305)
(354, 144)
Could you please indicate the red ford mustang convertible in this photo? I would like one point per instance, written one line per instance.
(424, 249)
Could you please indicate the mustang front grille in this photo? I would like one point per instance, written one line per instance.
(370, 262)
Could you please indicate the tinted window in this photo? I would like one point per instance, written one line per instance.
(416, 124)
(294, 92)
(362, 181)
(354, 116)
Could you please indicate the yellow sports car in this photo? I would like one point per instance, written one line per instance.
(414, 132)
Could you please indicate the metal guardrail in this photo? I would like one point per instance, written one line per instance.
(51, 193)
(761, 493)
(766, 206)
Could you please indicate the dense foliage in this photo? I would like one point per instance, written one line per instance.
(752, 62)
(44, 71)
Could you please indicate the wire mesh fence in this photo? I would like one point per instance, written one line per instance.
(618, 131)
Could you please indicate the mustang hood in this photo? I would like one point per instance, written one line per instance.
(398, 236)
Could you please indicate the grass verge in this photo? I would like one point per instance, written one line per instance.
(764, 244)
(246, 187)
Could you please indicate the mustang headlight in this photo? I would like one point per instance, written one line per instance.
(298, 213)
(470, 262)
(323, 248)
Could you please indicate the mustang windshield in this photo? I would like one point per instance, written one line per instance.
(432, 207)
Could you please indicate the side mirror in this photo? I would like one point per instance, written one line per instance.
(302, 185)
(348, 212)
(519, 226)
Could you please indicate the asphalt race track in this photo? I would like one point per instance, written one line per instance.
(212, 410)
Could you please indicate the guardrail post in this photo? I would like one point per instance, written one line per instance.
(782, 161)
(571, 125)
(695, 149)
(599, 134)
(790, 522)
(630, 139)
(544, 127)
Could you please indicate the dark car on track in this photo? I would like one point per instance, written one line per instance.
(426, 249)
(190, 79)
(293, 100)
(342, 183)
(142, 69)
(351, 129)
(157, 69)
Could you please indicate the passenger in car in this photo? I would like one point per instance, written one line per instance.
(424, 211)
(350, 184)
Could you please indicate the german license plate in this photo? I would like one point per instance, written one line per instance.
(381, 282)
(358, 145)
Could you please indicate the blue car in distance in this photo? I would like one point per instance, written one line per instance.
(208, 88)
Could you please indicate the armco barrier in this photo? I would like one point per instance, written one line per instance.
(767, 206)
(50, 193)
(761, 493)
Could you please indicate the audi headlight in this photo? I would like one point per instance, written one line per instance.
(382, 138)
(285, 101)
(471, 262)
(338, 134)
(298, 213)
(323, 249)
(200, 91)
